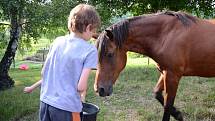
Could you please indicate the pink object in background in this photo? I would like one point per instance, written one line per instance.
(23, 67)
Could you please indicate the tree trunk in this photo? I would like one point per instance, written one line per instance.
(5, 80)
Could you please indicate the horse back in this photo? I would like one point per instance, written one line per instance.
(189, 51)
(200, 51)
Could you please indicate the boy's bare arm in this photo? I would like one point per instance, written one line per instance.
(82, 85)
(32, 87)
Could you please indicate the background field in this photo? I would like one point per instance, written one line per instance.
(132, 100)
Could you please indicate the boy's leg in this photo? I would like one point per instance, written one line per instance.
(61, 115)
(44, 113)
(76, 116)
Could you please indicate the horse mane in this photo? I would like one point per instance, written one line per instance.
(120, 32)
(185, 18)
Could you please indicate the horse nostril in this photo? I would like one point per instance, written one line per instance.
(108, 94)
(101, 92)
(110, 90)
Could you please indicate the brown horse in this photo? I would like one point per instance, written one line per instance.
(180, 44)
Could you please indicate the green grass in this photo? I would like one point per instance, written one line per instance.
(132, 100)
(14, 104)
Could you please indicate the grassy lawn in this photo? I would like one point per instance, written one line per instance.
(132, 99)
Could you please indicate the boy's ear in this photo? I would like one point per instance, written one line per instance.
(95, 35)
(89, 27)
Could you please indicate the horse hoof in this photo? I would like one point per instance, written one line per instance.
(179, 117)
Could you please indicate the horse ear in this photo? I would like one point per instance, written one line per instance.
(109, 34)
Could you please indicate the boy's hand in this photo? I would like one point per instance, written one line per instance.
(83, 95)
(27, 90)
(83, 98)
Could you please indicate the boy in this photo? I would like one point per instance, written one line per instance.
(67, 67)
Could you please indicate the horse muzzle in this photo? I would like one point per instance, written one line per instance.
(104, 90)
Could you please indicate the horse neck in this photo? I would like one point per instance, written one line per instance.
(146, 34)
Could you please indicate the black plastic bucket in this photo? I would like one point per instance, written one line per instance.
(89, 112)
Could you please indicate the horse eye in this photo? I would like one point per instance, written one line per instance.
(109, 55)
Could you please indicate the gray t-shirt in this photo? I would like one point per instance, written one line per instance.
(66, 59)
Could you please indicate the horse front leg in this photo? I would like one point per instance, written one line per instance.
(158, 90)
(171, 82)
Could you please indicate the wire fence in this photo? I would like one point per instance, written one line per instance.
(36, 55)
(38, 52)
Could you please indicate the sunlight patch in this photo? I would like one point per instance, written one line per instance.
(17, 83)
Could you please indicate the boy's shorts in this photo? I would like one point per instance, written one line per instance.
(50, 113)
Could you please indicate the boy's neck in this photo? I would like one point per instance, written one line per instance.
(80, 35)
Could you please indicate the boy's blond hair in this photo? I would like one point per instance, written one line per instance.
(81, 16)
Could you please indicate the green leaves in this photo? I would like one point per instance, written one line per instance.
(46, 17)
(4, 34)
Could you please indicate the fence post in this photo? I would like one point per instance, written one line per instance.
(44, 54)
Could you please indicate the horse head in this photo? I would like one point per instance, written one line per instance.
(112, 59)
